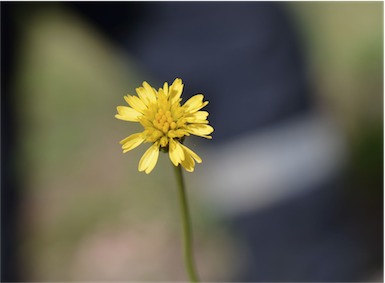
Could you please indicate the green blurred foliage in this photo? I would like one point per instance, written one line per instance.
(344, 47)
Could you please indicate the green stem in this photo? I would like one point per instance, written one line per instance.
(187, 230)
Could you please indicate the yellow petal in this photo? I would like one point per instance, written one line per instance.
(175, 152)
(149, 159)
(145, 122)
(177, 133)
(162, 96)
(189, 152)
(195, 103)
(153, 135)
(143, 95)
(199, 117)
(175, 90)
(200, 130)
(188, 163)
(132, 141)
(165, 88)
(150, 92)
(127, 114)
(147, 94)
(135, 103)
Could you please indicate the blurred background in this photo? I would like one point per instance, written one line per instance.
(290, 188)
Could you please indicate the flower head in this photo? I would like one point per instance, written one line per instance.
(166, 123)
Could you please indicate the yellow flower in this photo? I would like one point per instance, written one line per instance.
(166, 123)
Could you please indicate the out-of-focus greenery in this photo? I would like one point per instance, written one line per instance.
(87, 214)
(344, 47)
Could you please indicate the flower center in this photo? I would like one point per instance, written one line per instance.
(163, 121)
